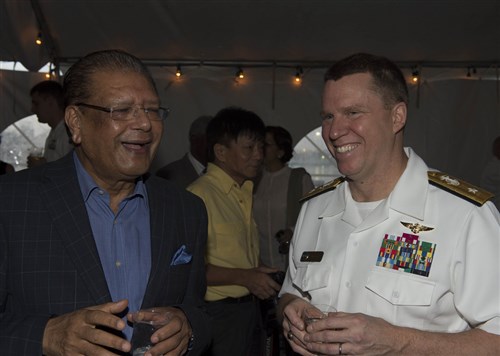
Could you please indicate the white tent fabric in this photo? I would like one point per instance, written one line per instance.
(452, 127)
(259, 30)
(453, 118)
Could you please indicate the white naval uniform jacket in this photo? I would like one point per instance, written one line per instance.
(462, 289)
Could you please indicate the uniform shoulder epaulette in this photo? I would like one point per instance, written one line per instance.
(322, 189)
(465, 190)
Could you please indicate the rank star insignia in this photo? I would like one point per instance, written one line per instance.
(416, 227)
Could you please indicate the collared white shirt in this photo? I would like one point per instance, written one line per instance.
(462, 288)
(198, 167)
(58, 143)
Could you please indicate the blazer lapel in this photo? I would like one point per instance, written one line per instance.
(65, 204)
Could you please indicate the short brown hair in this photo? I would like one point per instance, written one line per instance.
(388, 79)
(50, 88)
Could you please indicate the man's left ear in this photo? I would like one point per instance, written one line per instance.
(220, 152)
(399, 112)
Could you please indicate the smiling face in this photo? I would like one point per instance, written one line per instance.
(113, 151)
(362, 134)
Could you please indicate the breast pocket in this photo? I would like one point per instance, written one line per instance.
(228, 236)
(178, 275)
(398, 297)
(311, 276)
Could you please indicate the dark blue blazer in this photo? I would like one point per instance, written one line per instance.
(49, 264)
(181, 172)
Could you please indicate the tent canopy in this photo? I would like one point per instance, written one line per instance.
(444, 32)
(453, 116)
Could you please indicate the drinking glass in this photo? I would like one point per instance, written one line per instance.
(315, 312)
(146, 322)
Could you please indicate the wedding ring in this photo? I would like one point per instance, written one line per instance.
(289, 335)
(340, 348)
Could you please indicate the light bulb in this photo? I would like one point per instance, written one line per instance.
(414, 76)
(38, 40)
(298, 75)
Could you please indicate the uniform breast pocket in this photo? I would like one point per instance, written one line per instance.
(398, 297)
(311, 276)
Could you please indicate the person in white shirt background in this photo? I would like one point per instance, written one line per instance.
(276, 206)
(277, 197)
(47, 103)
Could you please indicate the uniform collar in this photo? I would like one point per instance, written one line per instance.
(336, 204)
(408, 196)
(410, 193)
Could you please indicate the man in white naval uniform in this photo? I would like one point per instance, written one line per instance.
(409, 257)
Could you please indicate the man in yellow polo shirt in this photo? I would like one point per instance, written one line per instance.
(235, 279)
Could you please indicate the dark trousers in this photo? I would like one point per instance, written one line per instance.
(233, 327)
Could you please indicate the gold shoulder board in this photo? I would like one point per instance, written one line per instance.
(322, 189)
(475, 195)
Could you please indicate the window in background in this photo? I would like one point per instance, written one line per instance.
(311, 153)
(19, 138)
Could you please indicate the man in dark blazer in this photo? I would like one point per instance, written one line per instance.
(187, 169)
(57, 277)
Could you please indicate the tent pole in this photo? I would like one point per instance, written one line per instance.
(47, 36)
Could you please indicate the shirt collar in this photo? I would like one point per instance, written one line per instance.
(226, 182)
(87, 183)
(409, 201)
(197, 165)
(410, 193)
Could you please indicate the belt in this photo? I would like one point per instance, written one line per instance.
(246, 299)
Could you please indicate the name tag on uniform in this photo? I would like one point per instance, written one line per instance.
(311, 256)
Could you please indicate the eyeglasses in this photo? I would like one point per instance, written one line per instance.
(130, 112)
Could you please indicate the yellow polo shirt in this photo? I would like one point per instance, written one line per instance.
(233, 239)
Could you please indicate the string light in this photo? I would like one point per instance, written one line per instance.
(297, 70)
(414, 75)
(298, 75)
(38, 40)
(240, 74)
(49, 73)
(474, 71)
